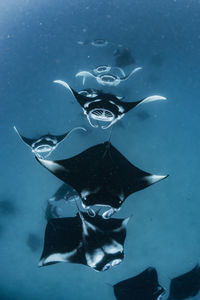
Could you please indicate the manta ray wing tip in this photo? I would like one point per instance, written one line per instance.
(155, 178)
(41, 263)
(63, 83)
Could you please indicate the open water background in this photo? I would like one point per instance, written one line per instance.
(38, 44)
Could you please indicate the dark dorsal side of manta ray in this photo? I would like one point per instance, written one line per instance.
(144, 286)
(105, 107)
(93, 242)
(44, 145)
(101, 175)
(186, 285)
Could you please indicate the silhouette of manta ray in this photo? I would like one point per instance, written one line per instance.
(102, 176)
(144, 286)
(186, 285)
(94, 242)
(105, 107)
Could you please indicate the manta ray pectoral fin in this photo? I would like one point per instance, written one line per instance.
(151, 179)
(84, 74)
(61, 138)
(151, 99)
(121, 70)
(76, 128)
(123, 225)
(56, 257)
(63, 83)
(26, 141)
(51, 165)
(134, 71)
(83, 42)
(80, 98)
(120, 97)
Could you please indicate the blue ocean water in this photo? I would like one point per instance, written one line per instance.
(38, 44)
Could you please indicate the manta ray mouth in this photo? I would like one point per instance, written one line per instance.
(43, 151)
(101, 114)
(43, 148)
(101, 69)
(108, 78)
(99, 43)
(88, 94)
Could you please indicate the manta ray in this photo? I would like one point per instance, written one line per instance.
(44, 145)
(99, 43)
(144, 286)
(104, 107)
(105, 78)
(102, 176)
(94, 242)
(186, 285)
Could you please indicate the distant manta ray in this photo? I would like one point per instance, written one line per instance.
(104, 107)
(99, 43)
(106, 79)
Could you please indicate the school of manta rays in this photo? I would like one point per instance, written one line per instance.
(100, 179)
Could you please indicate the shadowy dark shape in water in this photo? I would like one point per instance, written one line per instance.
(33, 242)
(186, 285)
(102, 176)
(123, 57)
(144, 286)
(91, 241)
(64, 192)
(143, 115)
(7, 208)
(157, 60)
